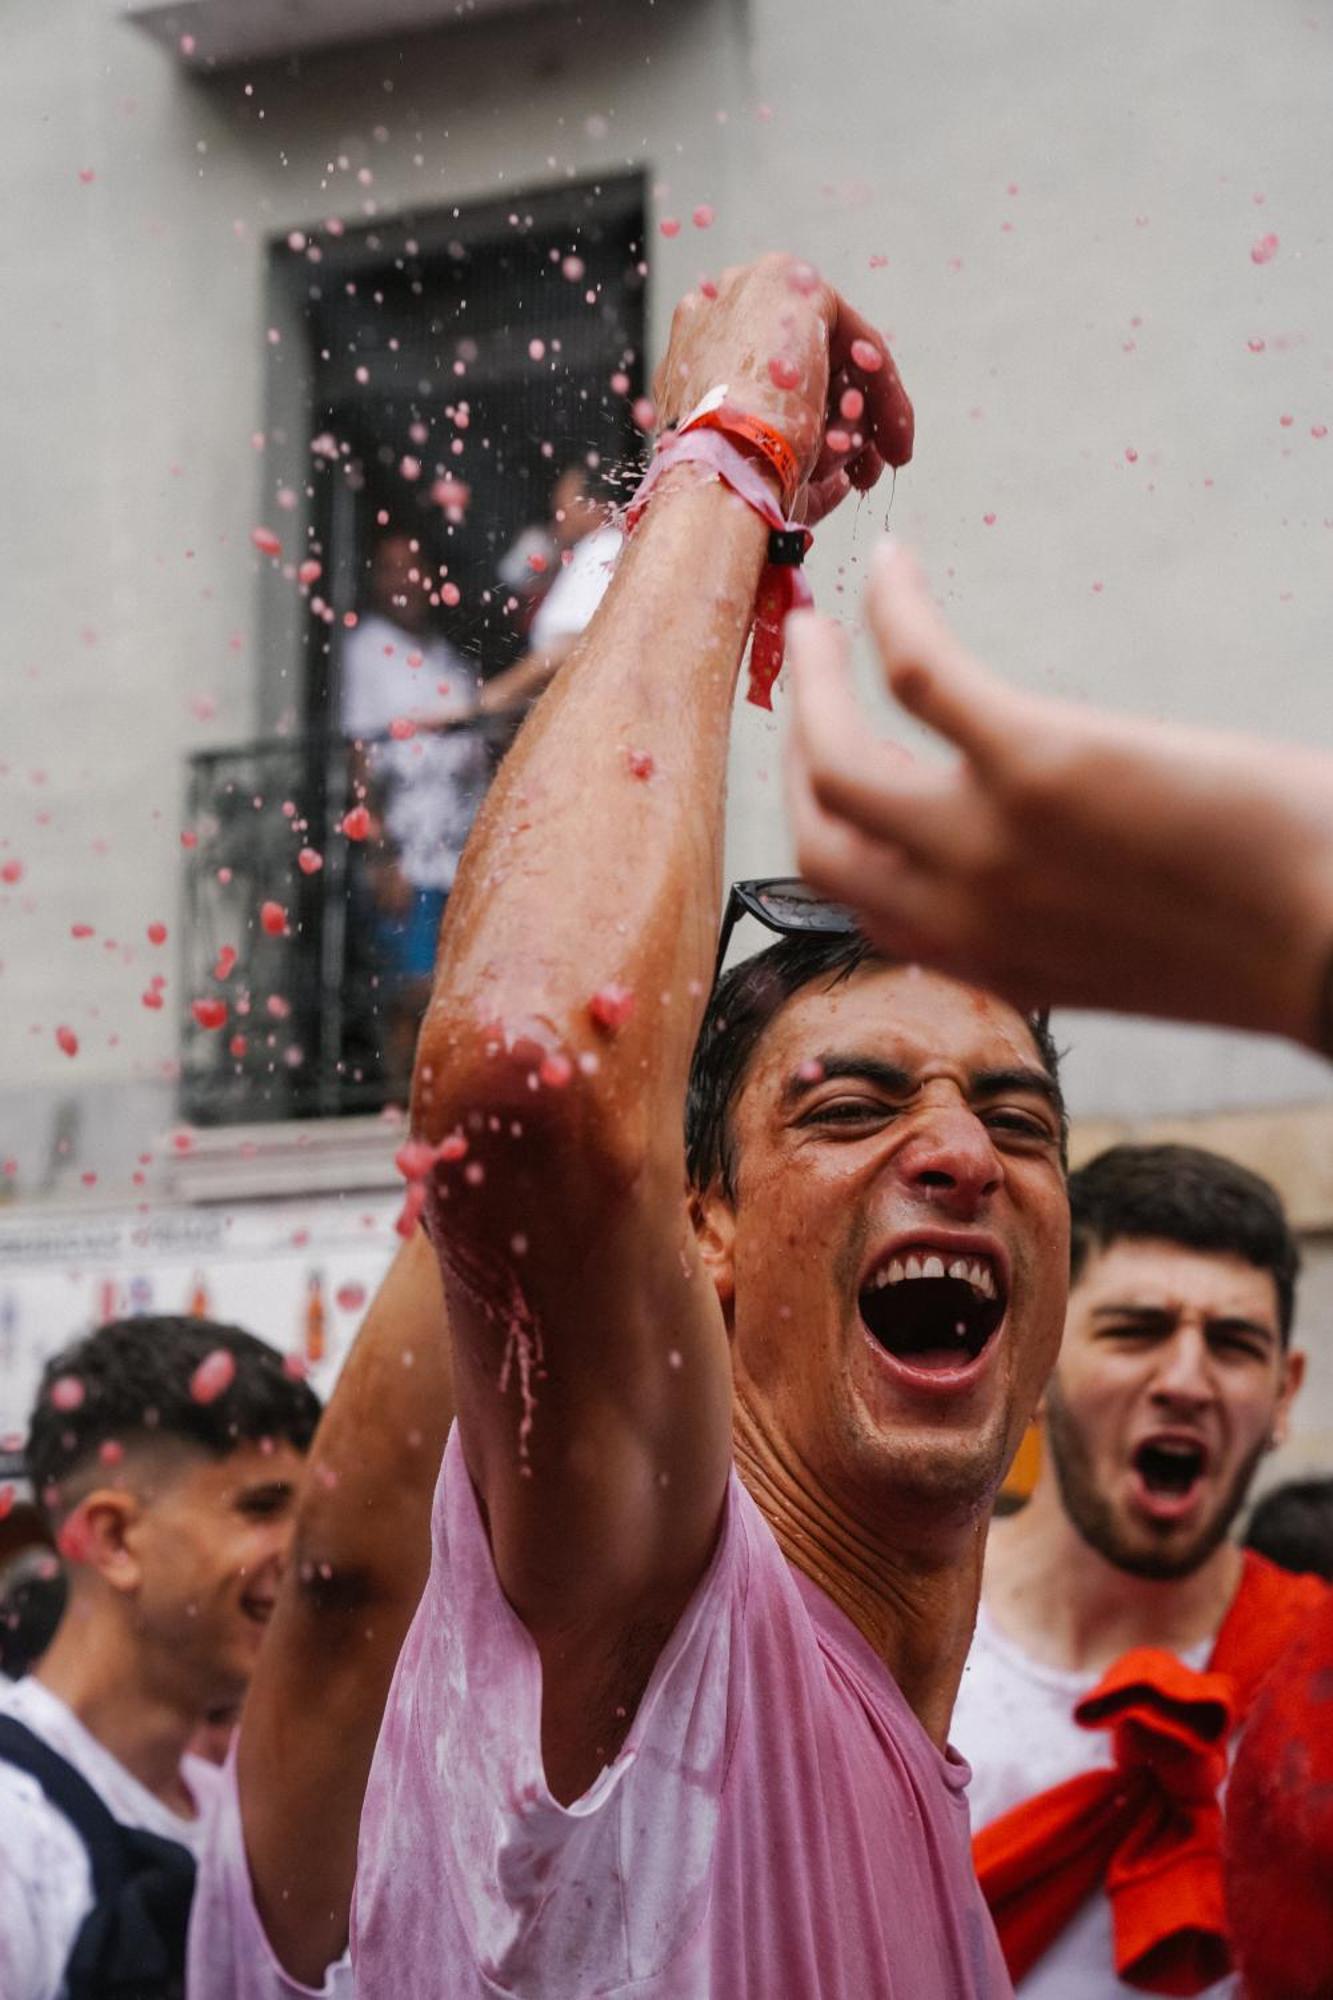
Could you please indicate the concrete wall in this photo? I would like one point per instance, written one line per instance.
(1051, 207)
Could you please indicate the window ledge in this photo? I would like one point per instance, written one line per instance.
(297, 1157)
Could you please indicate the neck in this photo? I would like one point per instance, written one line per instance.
(916, 1605)
(405, 617)
(97, 1670)
(1068, 1607)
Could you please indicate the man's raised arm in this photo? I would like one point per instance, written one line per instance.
(360, 1554)
(591, 1362)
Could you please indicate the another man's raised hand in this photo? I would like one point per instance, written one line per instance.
(789, 349)
(1066, 855)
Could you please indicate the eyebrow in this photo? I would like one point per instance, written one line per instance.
(896, 1081)
(1164, 1317)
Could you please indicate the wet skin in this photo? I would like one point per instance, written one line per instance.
(898, 1109)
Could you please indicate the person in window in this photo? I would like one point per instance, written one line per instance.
(404, 691)
(577, 555)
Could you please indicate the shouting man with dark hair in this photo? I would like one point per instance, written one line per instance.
(672, 1716)
(1120, 1626)
(167, 1453)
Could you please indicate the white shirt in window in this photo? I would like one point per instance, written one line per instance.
(432, 784)
(568, 606)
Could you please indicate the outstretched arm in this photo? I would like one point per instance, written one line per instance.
(591, 1361)
(359, 1559)
(1065, 855)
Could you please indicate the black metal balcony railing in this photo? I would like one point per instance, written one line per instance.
(297, 1002)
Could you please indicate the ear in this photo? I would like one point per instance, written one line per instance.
(714, 1222)
(102, 1536)
(1293, 1374)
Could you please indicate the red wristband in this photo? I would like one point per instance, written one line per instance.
(715, 413)
(782, 582)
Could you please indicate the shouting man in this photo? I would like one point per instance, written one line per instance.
(1175, 1377)
(672, 1716)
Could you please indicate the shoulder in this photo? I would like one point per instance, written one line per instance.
(1267, 1612)
(46, 1888)
(368, 646)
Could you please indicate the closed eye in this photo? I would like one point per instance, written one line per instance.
(848, 1111)
(1025, 1124)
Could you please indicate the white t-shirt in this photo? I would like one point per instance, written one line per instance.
(1014, 1723)
(568, 606)
(433, 784)
(46, 1884)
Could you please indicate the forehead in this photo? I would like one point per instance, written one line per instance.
(210, 1481)
(1169, 1277)
(917, 1020)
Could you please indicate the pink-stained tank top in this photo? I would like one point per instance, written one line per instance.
(230, 1957)
(778, 1826)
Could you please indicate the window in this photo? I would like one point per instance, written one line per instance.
(431, 377)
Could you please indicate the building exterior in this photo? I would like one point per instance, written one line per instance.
(1099, 241)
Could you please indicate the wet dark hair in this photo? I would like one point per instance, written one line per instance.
(135, 1376)
(1183, 1195)
(743, 1004)
(1293, 1527)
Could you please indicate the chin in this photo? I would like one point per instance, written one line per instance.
(1165, 1558)
(948, 1480)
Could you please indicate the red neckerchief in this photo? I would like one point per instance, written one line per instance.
(1148, 1829)
(782, 585)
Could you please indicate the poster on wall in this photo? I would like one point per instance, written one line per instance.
(298, 1273)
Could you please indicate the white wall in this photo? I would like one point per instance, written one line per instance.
(1106, 306)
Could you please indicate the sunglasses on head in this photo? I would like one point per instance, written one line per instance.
(782, 903)
(787, 905)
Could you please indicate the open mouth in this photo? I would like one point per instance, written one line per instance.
(1170, 1469)
(931, 1311)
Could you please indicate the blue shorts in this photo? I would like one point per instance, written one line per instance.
(407, 943)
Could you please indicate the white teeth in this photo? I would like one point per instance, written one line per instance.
(974, 1271)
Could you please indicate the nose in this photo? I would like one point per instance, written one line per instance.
(950, 1160)
(271, 1550)
(1183, 1378)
